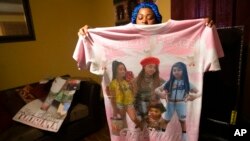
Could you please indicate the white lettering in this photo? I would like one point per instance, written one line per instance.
(243, 131)
(240, 132)
(38, 121)
(237, 132)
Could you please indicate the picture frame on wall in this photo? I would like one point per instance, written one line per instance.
(16, 21)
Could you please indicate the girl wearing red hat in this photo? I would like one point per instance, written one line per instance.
(144, 85)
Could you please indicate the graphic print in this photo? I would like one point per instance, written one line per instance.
(141, 97)
(162, 46)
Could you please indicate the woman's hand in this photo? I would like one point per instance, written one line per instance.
(83, 31)
(209, 22)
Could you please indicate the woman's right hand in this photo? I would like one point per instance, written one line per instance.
(83, 31)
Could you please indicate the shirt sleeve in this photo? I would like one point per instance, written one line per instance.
(82, 53)
(79, 55)
(211, 49)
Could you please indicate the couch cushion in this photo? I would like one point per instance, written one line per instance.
(78, 112)
(5, 119)
(21, 132)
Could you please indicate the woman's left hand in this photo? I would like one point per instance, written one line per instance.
(209, 22)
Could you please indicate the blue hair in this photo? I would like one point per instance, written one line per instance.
(150, 5)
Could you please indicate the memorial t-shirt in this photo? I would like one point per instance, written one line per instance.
(174, 51)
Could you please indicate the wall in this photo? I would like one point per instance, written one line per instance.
(164, 7)
(56, 23)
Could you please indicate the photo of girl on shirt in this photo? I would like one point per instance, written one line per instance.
(121, 97)
(177, 92)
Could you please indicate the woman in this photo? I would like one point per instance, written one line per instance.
(144, 13)
(149, 79)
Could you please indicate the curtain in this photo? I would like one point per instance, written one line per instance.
(221, 11)
(224, 13)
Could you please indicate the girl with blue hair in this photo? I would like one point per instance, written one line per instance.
(177, 90)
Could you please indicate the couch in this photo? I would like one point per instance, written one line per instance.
(84, 115)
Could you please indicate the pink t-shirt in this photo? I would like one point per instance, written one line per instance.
(188, 45)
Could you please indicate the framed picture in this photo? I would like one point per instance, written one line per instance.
(15, 21)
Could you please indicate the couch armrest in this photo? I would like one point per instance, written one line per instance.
(89, 95)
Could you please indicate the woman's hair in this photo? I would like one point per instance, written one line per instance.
(115, 65)
(156, 78)
(152, 6)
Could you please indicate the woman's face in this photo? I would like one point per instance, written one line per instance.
(177, 72)
(145, 16)
(121, 71)
(150, 69)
